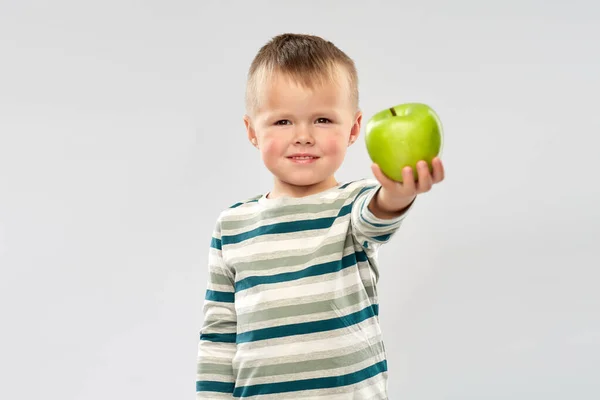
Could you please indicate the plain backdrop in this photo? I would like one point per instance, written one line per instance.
(121, 139)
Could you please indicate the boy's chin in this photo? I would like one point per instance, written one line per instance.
(307, 182)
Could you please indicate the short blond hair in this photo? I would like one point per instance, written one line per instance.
(307, 59)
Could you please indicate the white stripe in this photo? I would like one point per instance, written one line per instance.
(249, 210)
(287, 266)
(305, 299)
(222, 351)
(218, 287)
(296, 240)
(283, 218)
(256, 296)
(256, 259)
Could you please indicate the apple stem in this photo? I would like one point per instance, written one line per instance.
(393, 111)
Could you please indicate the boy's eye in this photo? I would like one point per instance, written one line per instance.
(283, 122)
(323, 120)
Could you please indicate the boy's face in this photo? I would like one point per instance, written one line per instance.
(303, 133)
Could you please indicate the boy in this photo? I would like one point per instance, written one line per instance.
(291, 308)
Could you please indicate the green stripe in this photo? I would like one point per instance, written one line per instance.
(224, 297)
(218, 337)
(370, 289)
(382, 238)
(215, 243)
(309, 327)
(312, 364)
(303, 309)
(212, 386)
(215, 369)
(311, 384)
(282, 258)
(315, 270)
(286, 227)
(219, 279)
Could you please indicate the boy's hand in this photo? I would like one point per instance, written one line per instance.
(395, 196)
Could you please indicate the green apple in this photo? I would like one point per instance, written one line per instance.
(403, 135)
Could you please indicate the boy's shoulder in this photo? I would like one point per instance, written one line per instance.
(358, 186)
(240, 206)
(245, 202)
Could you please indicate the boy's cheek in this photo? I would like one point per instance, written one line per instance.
(335, 146)
(271, 148)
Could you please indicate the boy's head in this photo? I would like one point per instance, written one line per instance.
(302, 99)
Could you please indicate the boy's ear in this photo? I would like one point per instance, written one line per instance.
(250, 131)
(355, 130)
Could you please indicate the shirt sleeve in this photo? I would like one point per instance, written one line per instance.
(217, 344)
(368, 229)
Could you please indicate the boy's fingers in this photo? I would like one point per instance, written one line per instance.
(408, 181)
(438, 170)
(381, 177)
(425, 179)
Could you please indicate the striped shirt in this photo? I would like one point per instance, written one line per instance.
(291, 306)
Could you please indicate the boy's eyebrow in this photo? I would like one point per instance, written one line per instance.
(276, 113)
(330, 112)
(281, 114)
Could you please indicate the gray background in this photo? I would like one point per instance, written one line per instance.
(121, 139)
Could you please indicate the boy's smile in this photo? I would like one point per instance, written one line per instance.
(303, 133)
(303, 158)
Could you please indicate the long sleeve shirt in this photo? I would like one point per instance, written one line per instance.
(291, 307)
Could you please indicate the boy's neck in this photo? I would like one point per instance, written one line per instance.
(284, 189)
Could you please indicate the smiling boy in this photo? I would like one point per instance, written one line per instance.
(291, 306)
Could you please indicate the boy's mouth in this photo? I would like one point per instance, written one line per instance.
(303, 158)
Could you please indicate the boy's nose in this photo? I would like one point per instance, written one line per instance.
(303, 136)
(304, 140)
